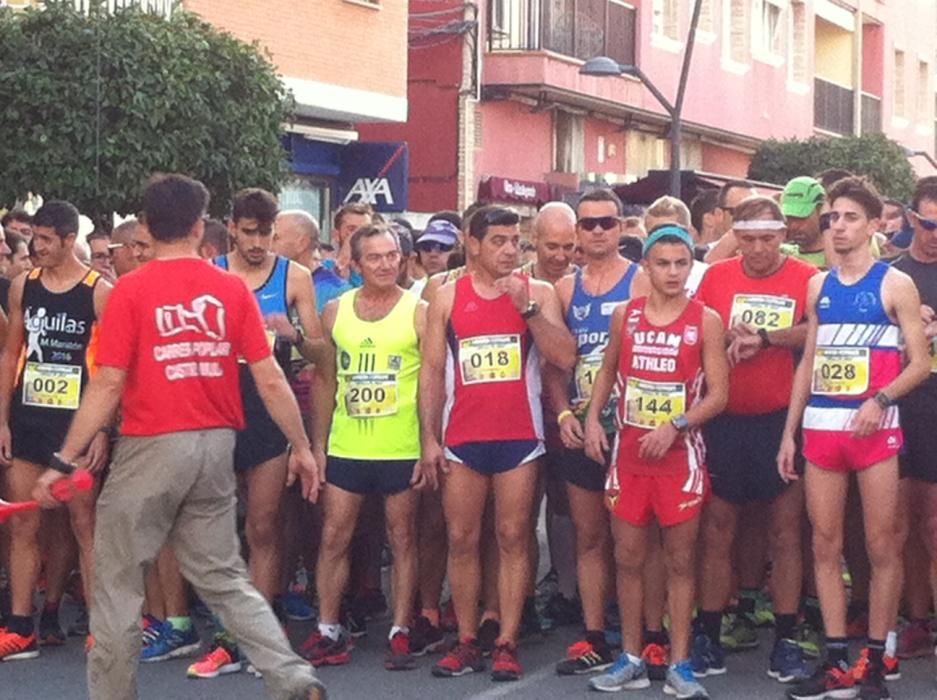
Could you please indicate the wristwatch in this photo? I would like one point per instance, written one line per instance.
(765, 340)
(60, 465)
(533, 308)
(680, 423)
(881, 398)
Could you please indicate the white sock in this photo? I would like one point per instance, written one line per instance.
(891, 643)
(395, 629)
(333, 632)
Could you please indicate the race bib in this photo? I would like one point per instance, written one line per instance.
(841, 371)
(490, 358)
(587, 368)
(52, 386)
(651, 404)
(371, 395)
(932, 350)
(763, 311)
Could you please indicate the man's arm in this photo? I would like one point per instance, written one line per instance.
(9, 360)
(102, 290)
(715, 370)
(725, 248)
(98, 407)
(432, 392)
(303, 299)
(901, 294)
(596, 443)
(554, 341)
(324, 384)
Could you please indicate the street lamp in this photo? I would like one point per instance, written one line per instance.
(604, 67)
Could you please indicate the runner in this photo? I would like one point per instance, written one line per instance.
(260, 458)
(802, 203)
(761, 298)
(485, 335)
(665, 354)
(48, 357)
(297, 238)
(366, 420)
(589, 297)
(347, 220)
(175, 329)
(844, 390)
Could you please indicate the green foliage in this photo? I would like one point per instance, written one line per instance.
(873, 155)
(92, 105)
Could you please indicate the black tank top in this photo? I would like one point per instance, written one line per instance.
(924, 276)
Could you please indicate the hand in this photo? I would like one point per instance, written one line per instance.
(321, 461)
(281, 325)
(744, 347)
(930, 329)
(571, 433)
(517, 288)
(425, 476)
(6, 445)
(302, 464)
(42, 491)
(927, 314)
(868, 419)
(96, 456)
(596, 442)
(433, 458)
(655, 444)
(786, 456)
(739, 330)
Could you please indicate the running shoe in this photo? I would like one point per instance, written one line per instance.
(872, 685)
(787, 662)
(80, 626)
(51, 633)
(425, 637)
(16, 647)
(488, 633)
(561, 611)
(763, 616)
(296, 607)
(861, 667)
(682, 683)
(221, 660)
(914, 640)
(326, 651)
(398, 656)
(738, 633)
(708, 659)
(504, 663)
(585, 656)
(654, 657)
(627, 673)
(170, 643)
(530, 620)
(828, 681)
(463, 657)
(808, 639)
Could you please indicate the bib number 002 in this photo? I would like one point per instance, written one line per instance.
(48, 385)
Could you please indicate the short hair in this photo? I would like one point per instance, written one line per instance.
(926, 188)
(703, 203)
(98, 235)
(831, 176)
(254, 203)
(601, 194)
(861, 191)
(362, 208)
(216, 235)
(404, 238)
(369, 231)
(491, 215)
(172, 205)
(758, 205)
(16, 214)
(452, 217)
(670, 207)
(727, 187)
(129, 226)
(14, 241)
(468, 213)
(630, 247)
(59, 215)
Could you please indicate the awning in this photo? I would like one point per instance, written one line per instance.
(657, 183)
(503, 189)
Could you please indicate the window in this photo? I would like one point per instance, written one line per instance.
(736, 32)
(311, 194)
(570, 143)
(798, 54)
(901, 108)
(769, 27)
(706, 21)
(667, 18)
(923, 92)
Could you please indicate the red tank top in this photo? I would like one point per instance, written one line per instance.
(660, 376)
(492, 371)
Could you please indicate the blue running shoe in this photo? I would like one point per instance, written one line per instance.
(681, 682)
(787, 662)
(170, 643)
(708, 659)
(627, 673)
(296, 607)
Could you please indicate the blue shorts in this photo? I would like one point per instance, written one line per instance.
(495, 456)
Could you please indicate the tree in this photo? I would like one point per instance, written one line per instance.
(92, 104)
(877, 157)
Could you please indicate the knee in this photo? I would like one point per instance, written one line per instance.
(881, 548)
(785, 541)
(827, 547)
(679, 563)
(463, 541)
(591, 538)
(630, 561)
(401, 536)
(83, 526)
(24, 528)
(513, 536)
(263, 531)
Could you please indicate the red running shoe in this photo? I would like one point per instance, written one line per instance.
(464, 657)
(504, 663)
(398, 653)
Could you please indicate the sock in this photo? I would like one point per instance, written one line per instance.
(20, 624)
(876, 649)
(747, 598)
(784, 626)
(333, 632)
(837, 651)
(183, 624)
(431, 614)
(395, 629)
(891, 640)
(658, 637)
(711, 624)
(812, 613)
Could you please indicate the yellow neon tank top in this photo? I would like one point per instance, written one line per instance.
(378, 365)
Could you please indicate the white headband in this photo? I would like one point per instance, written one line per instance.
(759, 225)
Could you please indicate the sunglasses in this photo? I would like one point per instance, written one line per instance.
(589, 223)
(433, 247)
(926, 224)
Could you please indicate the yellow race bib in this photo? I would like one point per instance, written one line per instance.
(52, 386)
(490, 358)
(371, 395)
(587, 368)
(840, 371)
(651, 404)
(763, 311)
(932, 349)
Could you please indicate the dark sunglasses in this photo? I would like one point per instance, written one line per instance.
(588, 223)
(433, 246)
(926, 224)
(826, 220)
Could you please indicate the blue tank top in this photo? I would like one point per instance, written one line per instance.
(588, 320)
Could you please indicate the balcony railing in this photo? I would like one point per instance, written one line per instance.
(871, 114)
(832, 107)
(578, 28)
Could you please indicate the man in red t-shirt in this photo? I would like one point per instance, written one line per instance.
(168, 355)
(761, 297)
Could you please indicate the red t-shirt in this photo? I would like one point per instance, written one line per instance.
(762, 384)
(178, 328)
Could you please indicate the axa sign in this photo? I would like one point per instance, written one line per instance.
(376, 173)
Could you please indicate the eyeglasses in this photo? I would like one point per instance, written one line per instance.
(433, 246)
(926, 224)
(607, 223)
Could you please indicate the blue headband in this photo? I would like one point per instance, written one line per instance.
(668, 231)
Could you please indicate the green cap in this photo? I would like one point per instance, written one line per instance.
(668, 231)
(801, 197)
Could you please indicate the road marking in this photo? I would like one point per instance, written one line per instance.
(507, 688)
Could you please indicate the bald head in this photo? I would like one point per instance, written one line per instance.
(554, 216)
(123, 258)
(296, 235)
(555, 238)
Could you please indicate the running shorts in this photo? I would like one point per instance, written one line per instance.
(495, 456)
(671, 499)
(840, 451)
(918, 460)
(36, 442)
(261, 439)
(384, 477)
(575, 467)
